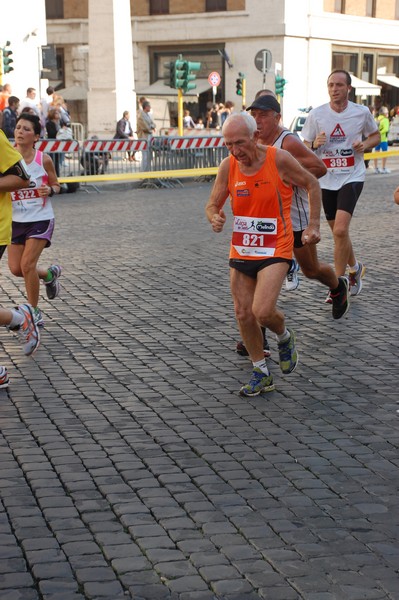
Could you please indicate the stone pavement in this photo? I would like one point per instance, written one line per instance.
(130, 466)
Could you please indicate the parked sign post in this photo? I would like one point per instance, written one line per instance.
(214, 80)
(263, 62)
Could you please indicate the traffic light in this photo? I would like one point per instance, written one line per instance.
(279, 85)
(179, 73)
(240, 84)
(189, 76)
(169, 74)
(6, 60)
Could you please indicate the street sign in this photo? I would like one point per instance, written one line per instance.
(214, 79)
(263, 60)
(49, 57)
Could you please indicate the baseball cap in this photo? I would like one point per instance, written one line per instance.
(266, 103)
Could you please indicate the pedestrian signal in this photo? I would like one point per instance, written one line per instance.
(279, 85)
(6, 60)
(240, 84)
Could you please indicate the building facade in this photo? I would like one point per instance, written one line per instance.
(23, 25)
(305, 39)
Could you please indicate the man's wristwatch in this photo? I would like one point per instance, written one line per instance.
(52, 192)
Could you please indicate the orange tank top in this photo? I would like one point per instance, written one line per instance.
(261, 206)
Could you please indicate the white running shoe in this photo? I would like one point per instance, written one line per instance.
(292, 279)
(28, 331)
(355, 280)
(4, 379)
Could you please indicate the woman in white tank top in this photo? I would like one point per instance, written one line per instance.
(33, 216)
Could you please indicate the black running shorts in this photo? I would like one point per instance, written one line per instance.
(343, 199)
(252, 267)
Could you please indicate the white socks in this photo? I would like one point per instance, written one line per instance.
(261, 364)
(284, 336)
(17, 319)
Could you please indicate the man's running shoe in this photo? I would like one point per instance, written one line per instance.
(288, 356)
(4, 379)
(53, 286)
(37, 315)
(340, 300)
(328, 299)
(28, 330)
(242, 351)
(259, 383)
(292, 279)
(355, 280)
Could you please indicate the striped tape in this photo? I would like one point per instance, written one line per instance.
(57, 145)
(199, 142)
(115, 145)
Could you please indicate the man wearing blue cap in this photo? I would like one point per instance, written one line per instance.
(267, 112)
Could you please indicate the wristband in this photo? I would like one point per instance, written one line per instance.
(52, 192)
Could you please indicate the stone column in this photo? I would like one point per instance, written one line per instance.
(111, 75)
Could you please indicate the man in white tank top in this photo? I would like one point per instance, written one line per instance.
(267, 113)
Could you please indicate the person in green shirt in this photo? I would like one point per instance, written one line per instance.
(383, 125)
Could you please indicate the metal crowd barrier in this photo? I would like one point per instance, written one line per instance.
(155, 162)
(94, 157)
(122, 157)
(169, 153)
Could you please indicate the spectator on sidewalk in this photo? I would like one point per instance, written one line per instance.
(5, 96)
(145, 129)
(124, 131)
(212, 121)
(30, 102)
(145, 123)
(10, 114)
(383, 126)
(188, 122)
(46, 102)
(60, 104)
(53, 126)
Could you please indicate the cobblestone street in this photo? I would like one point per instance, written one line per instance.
(131, 467)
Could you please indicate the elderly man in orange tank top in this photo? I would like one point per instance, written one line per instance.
(259, 181)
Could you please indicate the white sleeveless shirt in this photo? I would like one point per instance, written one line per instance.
(300, 202)
(27, 205)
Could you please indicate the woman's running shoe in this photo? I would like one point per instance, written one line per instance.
(4, 379)
(53, 286)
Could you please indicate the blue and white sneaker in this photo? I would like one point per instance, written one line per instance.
(288, 356)
(259, 383)
(292, 278)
